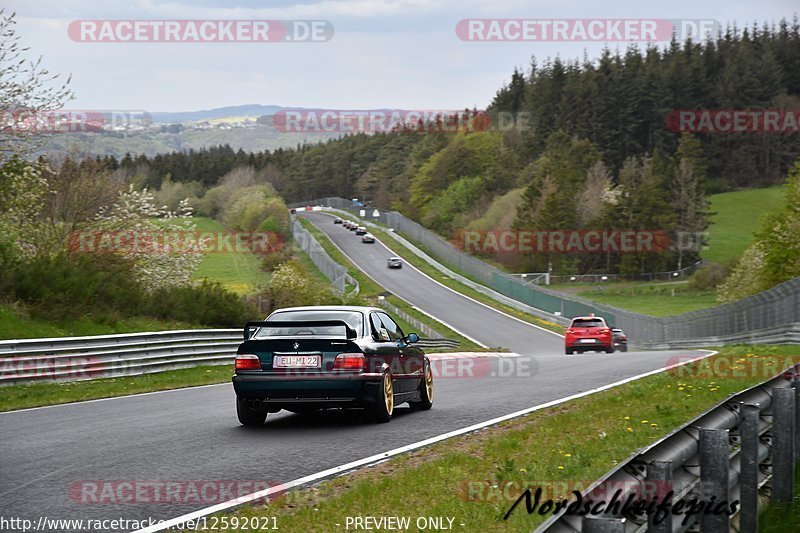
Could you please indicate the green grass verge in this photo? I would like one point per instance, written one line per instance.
(239, 272)
(737, 216)
(369, 291)
(475, 478)
(15, 324)
(39, 394)
(656, 299)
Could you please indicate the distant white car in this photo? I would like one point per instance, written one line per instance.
(368, 237)
(394, 262)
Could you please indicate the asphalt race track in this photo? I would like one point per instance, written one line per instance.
(192, 435)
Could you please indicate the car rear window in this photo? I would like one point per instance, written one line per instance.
(354, 319)
(588, 323)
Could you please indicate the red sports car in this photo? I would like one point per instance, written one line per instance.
(589, 333)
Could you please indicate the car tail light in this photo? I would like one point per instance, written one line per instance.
(603, 330)
(246, 361)
(569, 332)
(350, 361)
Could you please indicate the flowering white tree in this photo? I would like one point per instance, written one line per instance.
(160, 242)
(22, 195)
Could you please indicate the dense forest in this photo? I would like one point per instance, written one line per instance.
(598, 151)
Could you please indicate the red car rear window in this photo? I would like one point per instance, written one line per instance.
(588, 323)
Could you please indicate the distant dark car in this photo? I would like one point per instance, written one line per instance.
(368, 238)
(361, 230)
(588, 333)
(394, 262)
(353, 227)
(620, 339)
(293, 211)
(337, 220)
(307, 358)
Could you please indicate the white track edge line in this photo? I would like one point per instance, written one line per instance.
(458, 292)
(397, 451)
(406, 301)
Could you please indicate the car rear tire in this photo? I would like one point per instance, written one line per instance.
(381, 411)
(248, 416)
(623, 348)
(425, 401)
(570, 351)
(610, 349)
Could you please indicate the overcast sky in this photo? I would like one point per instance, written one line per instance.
(384, 53)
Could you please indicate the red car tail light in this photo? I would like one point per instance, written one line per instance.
(246, 361)
(569, 332)
(604, 330)
(350, 361)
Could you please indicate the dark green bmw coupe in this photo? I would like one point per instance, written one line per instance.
(308, 358)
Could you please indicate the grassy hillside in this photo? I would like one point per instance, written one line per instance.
(737, 216)
(239, 272)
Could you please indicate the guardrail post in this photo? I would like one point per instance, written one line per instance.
(593, 524)
(783, 444)
(660, 472)
(748, 478)
(796, 383)
(714, 466)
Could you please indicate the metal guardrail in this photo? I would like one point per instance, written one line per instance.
(81, 358)
(754, 317)
(744, 449)
(105, 356)
(336, 273)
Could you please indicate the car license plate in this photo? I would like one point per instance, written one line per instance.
(297, 361)
(587, 340)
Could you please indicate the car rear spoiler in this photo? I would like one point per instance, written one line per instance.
(250, 328)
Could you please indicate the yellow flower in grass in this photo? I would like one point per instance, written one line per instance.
(626, 417)
(653, 425)
(560, 467)
(567, 455)
(644, 421)
(630, 429)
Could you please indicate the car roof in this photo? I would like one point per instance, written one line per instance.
(589, 318)
(357, 308)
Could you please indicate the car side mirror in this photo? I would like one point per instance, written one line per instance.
(411, 338)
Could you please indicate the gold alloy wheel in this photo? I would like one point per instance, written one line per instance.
(429, 383)
(388, 393)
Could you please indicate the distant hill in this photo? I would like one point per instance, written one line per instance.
(252, 110)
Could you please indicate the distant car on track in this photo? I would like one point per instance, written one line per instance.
(304, 359)
(353, 227)
(337, 220)
(368, 238)
(394, 262)
(620, 339)
(588, 333)
(361, 230)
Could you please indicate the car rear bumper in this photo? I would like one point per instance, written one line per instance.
(320, 388)
(598, 343)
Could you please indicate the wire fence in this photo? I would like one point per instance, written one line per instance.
(336, 273)
(748, 318)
